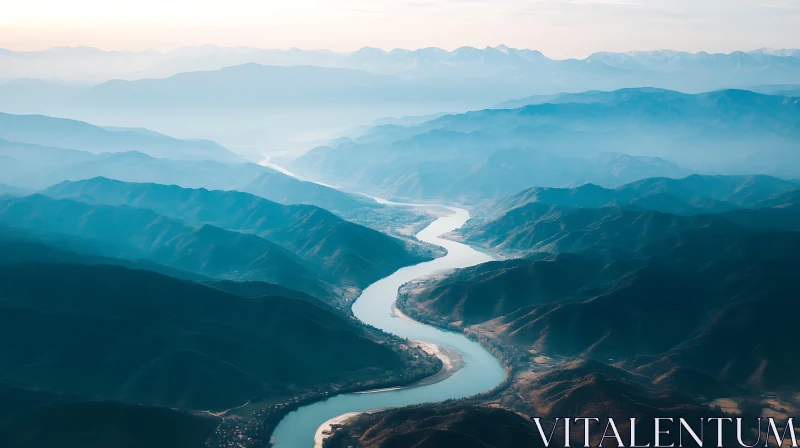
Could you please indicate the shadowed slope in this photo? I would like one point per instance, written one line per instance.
(141, 337)
(351, 253)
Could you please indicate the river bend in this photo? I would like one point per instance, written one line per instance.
(481, 370)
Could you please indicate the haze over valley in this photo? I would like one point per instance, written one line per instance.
(263, 101)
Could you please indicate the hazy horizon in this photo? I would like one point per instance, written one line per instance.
(775, 50)
(558, 28)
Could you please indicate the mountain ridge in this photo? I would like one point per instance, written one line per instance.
(352, 253)
(49, 131)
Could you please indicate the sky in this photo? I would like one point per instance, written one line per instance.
(558, 28)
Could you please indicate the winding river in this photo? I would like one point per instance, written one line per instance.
(481, 371)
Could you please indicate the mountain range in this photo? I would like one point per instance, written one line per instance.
(253, 85)
(621, 222)
(34, 167)
(626, 302)
(580, 389)
(133, 234)
(607, 138)
(144, 338)
(262, 101)
(353, 254)
(664, 68)
(690, 195)
(657, 294)
(678, 305)
(429, 427)
(72, 134)
(114, 423)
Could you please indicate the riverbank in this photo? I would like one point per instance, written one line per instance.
(452, 362)
(326, 429)
(507, 358)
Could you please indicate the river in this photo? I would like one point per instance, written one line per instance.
(481, 370)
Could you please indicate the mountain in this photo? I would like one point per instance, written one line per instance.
(36, 167)
(701, 64)
(130, 233)
(263, 100)
(26, 165)
(143, 338)
(8, 190)
(350, 253)
(571, 142)
(38, 94)
(284, 189)
(690, 195)
(611, 231)
(620, 273)
(513, 285)
(21, 245)
(778, 89)
(790, 199)
(677, 305)
(578, 389)
(790, 92)
(605, 97)
(253, 85)
(72, 134)
(468, 166)
(34, 419)
(440, 426)
(669, 69)
(729, 131)
(622, 220)
(257, 289)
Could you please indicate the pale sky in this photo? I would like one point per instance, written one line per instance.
(558, 28)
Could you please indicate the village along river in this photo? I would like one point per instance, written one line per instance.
(481, 371)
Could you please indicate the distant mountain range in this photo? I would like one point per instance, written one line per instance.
(8, 190)
(572, 140)
(263, 100)
(72, 134)
(35, 167)
(254, 86)
(669, 69)
(605, 97)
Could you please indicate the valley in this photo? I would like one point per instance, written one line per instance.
(597, 330)
(481, 246)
